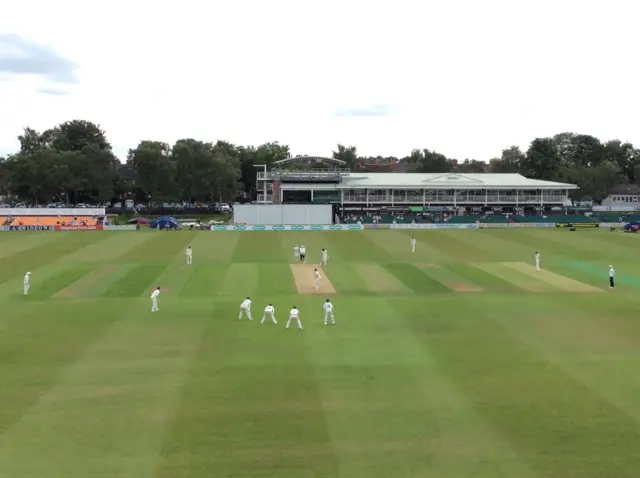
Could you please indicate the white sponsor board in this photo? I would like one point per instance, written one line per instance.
(443, 225)
(474, 226)
(624, 208)
(120, 228)
(516, 225)
(359, 227)
(613, 224)
(315, 227)
(45, 211)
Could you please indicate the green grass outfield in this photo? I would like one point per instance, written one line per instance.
(458, 360)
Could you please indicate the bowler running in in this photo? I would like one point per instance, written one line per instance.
(189, 256)
(245, 309)
(317, 278)
(413, 244)
(269, 311)
(154, 300)
(328, 313)
(296, 251)
(537, 256)
(324, 257)
(294, 314)
(27, 285)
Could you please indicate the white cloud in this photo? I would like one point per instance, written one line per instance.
(466, 78)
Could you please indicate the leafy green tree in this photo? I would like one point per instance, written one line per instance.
(472, 166)
(348, 154)
(430, 162)
(625, 156)
(156, 170)
(509, 162)
(542, 160)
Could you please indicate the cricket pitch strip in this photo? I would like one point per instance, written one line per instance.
(305, 282)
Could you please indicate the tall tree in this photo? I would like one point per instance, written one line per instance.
(625, 156)
(222, 176)
(472, 166)
(31, 141)
(509, 162)
(542, 160)
(77, 134)
(578, 149)
(348, 154)
(432, 162)
(156, 170)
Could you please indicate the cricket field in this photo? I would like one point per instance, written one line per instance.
(458, 360)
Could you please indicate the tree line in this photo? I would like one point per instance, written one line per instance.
(74, 162)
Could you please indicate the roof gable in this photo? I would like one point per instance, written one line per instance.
(453, 179)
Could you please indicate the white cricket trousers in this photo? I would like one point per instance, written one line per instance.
(413, 248)
(154, 304)
(324, 261)
(296, 318)
(26, 289)
(317, 285)
(537, 265)
(243, 311)
(271, 316)
(189, 259)
(327, 316)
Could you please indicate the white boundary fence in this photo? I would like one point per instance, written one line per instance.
(282, 214)
(49, 211)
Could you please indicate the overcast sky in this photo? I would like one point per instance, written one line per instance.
(464, 77)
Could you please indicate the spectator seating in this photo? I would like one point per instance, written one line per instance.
(574, 218)
(52, 220)
(615, 217)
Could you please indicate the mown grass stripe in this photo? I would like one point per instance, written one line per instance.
(59, 281)
(377, 279)
(346, 280)
(203, 280)
(478, 276)
(240, 277)
(138, 280)
(555, 280)
(87, 283)
(276, 279)
(415, 278)
(518, 279)
(601, 272)
(449, 278)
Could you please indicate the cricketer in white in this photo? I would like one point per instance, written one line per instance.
(154, 300)
(325, 257)
(245, 308)
(328, 313)
(294, 314)
(27, 278)
(269, 311)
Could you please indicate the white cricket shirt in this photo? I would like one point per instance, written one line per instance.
(327, 306)
(269, 309)
(294, 312)
(155, 294)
